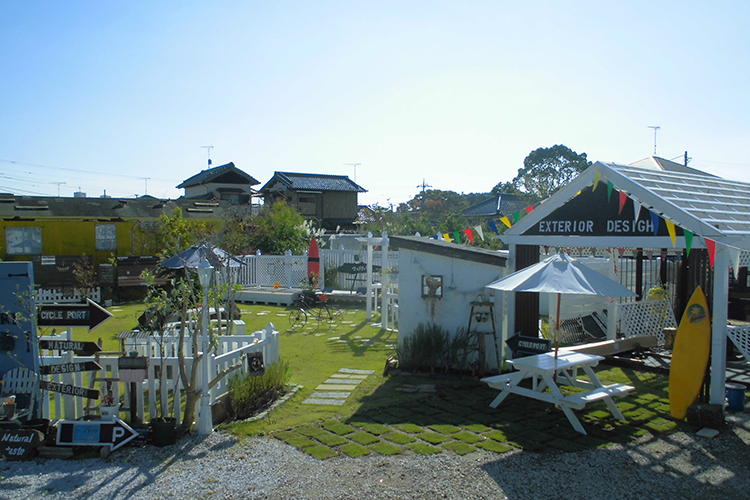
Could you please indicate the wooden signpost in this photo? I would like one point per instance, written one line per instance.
(71, 390)
(113, 433)
(18, 444)
(89, 314)
(85, 366)
(80, 347)
(527, 345)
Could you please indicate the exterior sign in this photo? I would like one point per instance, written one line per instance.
(113, 433)
(89, 314)
(87, 366)
(592, 214)
(18, 444)
(527, 345)
(81, 392)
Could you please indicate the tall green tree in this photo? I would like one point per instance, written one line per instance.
(277, 229)
(546, 170)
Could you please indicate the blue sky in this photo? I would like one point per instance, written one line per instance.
(102, 95)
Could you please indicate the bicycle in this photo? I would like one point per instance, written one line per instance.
(314, 305)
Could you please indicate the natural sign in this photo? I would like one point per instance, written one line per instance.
(17, 444)
(69, 345)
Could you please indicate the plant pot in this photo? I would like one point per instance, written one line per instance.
(163, 431)
(9, 411)
(109, 412)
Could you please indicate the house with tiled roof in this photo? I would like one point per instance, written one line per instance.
(225, 182)
(330, 200)
(496, 206)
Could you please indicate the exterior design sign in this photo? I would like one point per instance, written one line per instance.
(591, 213)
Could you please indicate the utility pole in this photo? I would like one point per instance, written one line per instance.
(355, 165)
(209, 148)
(146, 181)
(655, 129)
(58, 187)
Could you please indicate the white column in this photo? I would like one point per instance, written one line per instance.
(719, 325)
(369, 277)
(385, 280)
(509, 323)
(206, 423)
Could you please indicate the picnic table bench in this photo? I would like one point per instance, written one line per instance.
(545, 371)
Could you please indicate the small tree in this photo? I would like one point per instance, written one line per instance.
(546, 170)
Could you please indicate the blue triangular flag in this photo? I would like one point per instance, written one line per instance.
(493, 226)
(654, 222)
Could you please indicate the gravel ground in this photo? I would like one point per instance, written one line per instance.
(219, 466)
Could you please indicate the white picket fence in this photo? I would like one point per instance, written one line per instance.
(66, 295)
(230, 350)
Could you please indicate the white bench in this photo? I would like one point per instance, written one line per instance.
(614, 390)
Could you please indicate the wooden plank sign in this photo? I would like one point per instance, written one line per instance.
(113, 433)
(357, 268)
(69, 345)
(86, 366)
(72, 390)
(89, 314)
(527, 345)
(18, 444)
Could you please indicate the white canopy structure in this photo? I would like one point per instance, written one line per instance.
(667, 206)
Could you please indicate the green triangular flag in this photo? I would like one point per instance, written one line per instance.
(517, 216)
(610, 187)
(458, 238)
(688, 240)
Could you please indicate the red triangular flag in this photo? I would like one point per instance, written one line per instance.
(529, 209)
(468, 233)
(623, 197)
(711, 246)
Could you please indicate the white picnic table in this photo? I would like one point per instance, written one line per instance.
(546, 372)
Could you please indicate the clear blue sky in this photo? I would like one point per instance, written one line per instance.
(102, 94)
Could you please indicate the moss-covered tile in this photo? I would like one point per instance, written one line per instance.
(409, 428)
(363, 438)
(468, 437)
(477, 428)
(309, 430)
(386, 448)
(432, 437)
(330, 439)
(354, 450)
(496, 435)
(372, 428)
(295, 439)
(459, 447)
(399, 438)
(445, 429)
(639, 415)
(661, 425)
(494, 446)
(423, 449)
(337, 427)
(320, 452)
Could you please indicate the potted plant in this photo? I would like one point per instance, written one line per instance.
(9, 408)
(109, 408)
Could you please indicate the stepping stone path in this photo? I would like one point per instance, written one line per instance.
(337, 387)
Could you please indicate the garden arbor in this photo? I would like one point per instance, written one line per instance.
(615, 206)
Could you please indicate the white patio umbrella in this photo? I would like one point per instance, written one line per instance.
(560, 274)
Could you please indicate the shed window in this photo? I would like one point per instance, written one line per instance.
(106, 237)
(23, 240)
(432, 286)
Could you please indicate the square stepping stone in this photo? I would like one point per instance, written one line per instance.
(333, 387)
(355, 371)
(333, 338)
(330, 395)
(347, 381)
(342, 375)
(320, 401)
(357, 377)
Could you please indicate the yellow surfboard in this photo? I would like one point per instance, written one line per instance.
(690, 354)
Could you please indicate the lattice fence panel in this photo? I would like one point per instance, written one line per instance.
(740, 335)
(649, 317)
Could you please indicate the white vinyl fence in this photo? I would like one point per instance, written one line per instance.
(231, 349)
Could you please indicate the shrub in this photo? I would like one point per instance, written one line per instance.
(251, 394)
(432, 346)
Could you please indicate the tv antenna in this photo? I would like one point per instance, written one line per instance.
(424, 186)
(655, 129)
(355, 165)
(145, 179)
(209, 148)
(58, 187)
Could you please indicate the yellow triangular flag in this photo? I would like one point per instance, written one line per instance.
(505, 221)
(670, 228)
(597, 175)
(447, 237)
